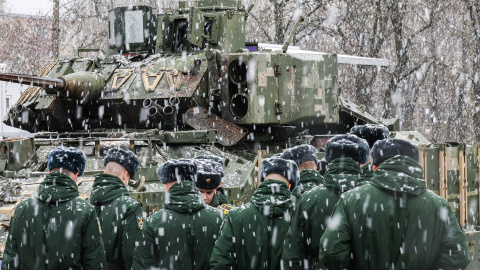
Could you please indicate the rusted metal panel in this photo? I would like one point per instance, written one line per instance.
(227, 133)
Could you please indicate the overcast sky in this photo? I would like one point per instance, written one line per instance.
(31, 7)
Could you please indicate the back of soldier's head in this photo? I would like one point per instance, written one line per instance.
(386, 149)
(285, 168)
(303, 155)
(347, 146)
(118, 160)
(67, 159)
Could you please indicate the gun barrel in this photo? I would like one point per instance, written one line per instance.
(46, 83)
(81, 85)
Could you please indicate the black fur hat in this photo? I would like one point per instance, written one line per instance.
(300, 154)
(69, 158)
(212, 158)
(385, 149)
(371, 133)
(127, 159)
(347, 146)
(322, 166)
(286, 168)
(209, 174)
(177, 170)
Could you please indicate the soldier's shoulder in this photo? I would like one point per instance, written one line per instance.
(129, 201)
(27, 203)
(160, 216)
(359, 190)
(241, 210)
(82, 204)
(313, 193)
(211, 211)
(434, 198)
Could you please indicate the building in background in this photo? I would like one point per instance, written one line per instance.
(9, 94)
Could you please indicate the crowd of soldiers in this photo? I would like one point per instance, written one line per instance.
(364, 206)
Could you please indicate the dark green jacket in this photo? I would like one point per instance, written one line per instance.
(219, 198)
(394, 223)
(120, 217)
(313, 211)
(54, 229)
(308, 180)
(367, 171)
(181, 235)
(253, 234)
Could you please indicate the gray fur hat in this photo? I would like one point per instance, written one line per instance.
(69, 158)
(386, 149)
(300, 154)
(127, 159)
(212, 158)
(177, 170)
(286, 168)
(209, 174)
(371, 133)
(347, 146)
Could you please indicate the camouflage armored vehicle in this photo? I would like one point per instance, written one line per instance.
(185, 84)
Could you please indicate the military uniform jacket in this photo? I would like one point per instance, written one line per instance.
(219, 198)
(394, 222)
(308, 179)
(120, 217)
(182, 234)
(253, 234)
(221, 202)
(313, 211)
(54, 229)
(367, 171)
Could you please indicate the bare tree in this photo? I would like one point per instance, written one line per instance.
(474, 12)
(25, 42)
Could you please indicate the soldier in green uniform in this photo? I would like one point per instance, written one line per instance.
(209, 178)
(55, 229)
(306, 158)
(345, 153)
(253, 234)
(322, 166)
(219, 196)
(394, 222)
(371, 133)
(181, 235)
(120, 215)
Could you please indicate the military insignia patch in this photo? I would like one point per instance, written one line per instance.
(139, 222)
(99, 226)
(225, 208)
